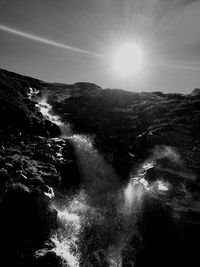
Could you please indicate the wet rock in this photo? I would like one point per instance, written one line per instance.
(157, 233)
(70, 174)
(4, 176)
(151, 175)
(28, 152)
(45, 188)
(2, 161)
(51, 179)
(52, 129)
(48, 258)
(9, 166)
(43, 155)
(20, 177)
(36, 181)
(26, 221)
(18, 165)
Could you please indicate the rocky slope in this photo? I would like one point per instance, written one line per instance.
(127, 125)
(33, 167)
(129, 129)
(31, 171)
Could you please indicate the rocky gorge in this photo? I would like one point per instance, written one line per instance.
(119, 188)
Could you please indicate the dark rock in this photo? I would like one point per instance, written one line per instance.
(52, 129)
(51, 179)
(9, 166)
(43, 155)
(26, 221)
(18, 165)
(36, 181)
(158, 234)
(151, 175)
(4, 176)
(2, 161)
(48, 258)
(20, 177)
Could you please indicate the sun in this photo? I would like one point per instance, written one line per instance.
(128, 59)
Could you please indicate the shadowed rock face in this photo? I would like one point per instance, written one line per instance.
(127, 123)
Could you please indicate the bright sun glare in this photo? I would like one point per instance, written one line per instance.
(128, 59)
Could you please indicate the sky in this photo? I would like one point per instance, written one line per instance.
(70, 41)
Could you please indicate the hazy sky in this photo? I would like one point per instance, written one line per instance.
(73, 40)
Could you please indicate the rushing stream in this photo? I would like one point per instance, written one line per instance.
(99, 220)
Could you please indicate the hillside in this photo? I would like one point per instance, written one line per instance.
(118, 136)
(128, 125)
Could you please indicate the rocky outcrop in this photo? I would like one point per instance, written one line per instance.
(128, 125)
(32, 170)
(26, 222)
(18, 112)
(34, 167)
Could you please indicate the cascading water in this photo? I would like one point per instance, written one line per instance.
(94, 207)
(67, 238)
(46, 110)
(98, 221)
(98, 176)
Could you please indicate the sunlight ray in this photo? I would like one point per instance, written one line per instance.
(46, 41)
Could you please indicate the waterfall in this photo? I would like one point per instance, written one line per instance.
(46, 109)
(71, 214)
(98, 177)
(98, 221)
(101, 208)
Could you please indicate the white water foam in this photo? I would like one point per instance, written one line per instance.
(66, 240)
(46, 110)
(33, 92)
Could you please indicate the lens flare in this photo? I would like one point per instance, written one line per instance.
(46, 41)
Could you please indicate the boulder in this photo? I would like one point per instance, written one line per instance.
(36, 181)
(51, 129)
(69, 173)
(51, 179)
(45, 257)
(26, 222)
